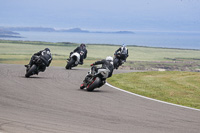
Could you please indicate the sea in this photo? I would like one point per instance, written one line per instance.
(181, 40)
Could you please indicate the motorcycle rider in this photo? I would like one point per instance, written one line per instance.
(123, 51)
(82, 51)
(45, 56)
(106, 64)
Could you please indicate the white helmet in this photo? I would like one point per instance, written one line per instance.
(123, 45)
(109, 58)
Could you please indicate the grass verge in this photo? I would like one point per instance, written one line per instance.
(181, 88)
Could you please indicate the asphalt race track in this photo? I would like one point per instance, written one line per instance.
(52, 102)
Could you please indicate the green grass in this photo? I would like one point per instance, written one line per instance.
(22, 50)
(175, 87)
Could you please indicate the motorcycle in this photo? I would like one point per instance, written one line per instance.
(95, 78)
(73, 60)
(117, 61)
(38, 64)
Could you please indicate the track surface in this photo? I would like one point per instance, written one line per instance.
(53, 103)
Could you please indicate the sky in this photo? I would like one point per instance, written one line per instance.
(147, 15)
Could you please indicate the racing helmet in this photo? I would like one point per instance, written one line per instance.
(83, 45)
(47, 49)
(123, 45)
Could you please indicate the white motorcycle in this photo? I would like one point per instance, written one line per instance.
(73, 60)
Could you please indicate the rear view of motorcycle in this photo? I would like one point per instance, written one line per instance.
(73, 60)
(37, 66)
(117, 61)
(94, 79)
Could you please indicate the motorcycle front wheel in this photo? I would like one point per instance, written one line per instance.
(70, 63)
(31, 71)
(94, 84)
(116, 63)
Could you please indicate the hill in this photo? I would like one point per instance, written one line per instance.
(44, 29)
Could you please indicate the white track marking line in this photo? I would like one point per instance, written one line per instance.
(151, 98)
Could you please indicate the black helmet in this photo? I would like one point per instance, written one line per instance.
(47, 49)
(83, 45)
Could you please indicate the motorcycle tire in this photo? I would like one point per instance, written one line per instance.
(93, 85)
(116, 64)
(70, 63)
(31, 71)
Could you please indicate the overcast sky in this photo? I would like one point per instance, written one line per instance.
(172, 15)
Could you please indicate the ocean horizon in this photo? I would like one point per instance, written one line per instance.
(182, 40)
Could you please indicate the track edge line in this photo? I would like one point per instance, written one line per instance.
(151, 98)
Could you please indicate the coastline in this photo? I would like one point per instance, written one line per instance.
(7, 37)
(138, 39)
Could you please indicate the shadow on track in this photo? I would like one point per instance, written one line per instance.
(95, 91)
(34, 77)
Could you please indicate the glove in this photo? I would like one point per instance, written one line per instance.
(91, 64)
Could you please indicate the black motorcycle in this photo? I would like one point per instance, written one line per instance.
(117, 61)
(94, 79)
(38, 65)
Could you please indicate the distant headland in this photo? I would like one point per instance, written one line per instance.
(12, 31)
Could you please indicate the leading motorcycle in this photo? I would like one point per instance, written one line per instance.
(95, 78)
(38, 64)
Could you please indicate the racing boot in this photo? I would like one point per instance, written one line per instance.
(81, 63)
(28, 66)
(82, 86)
